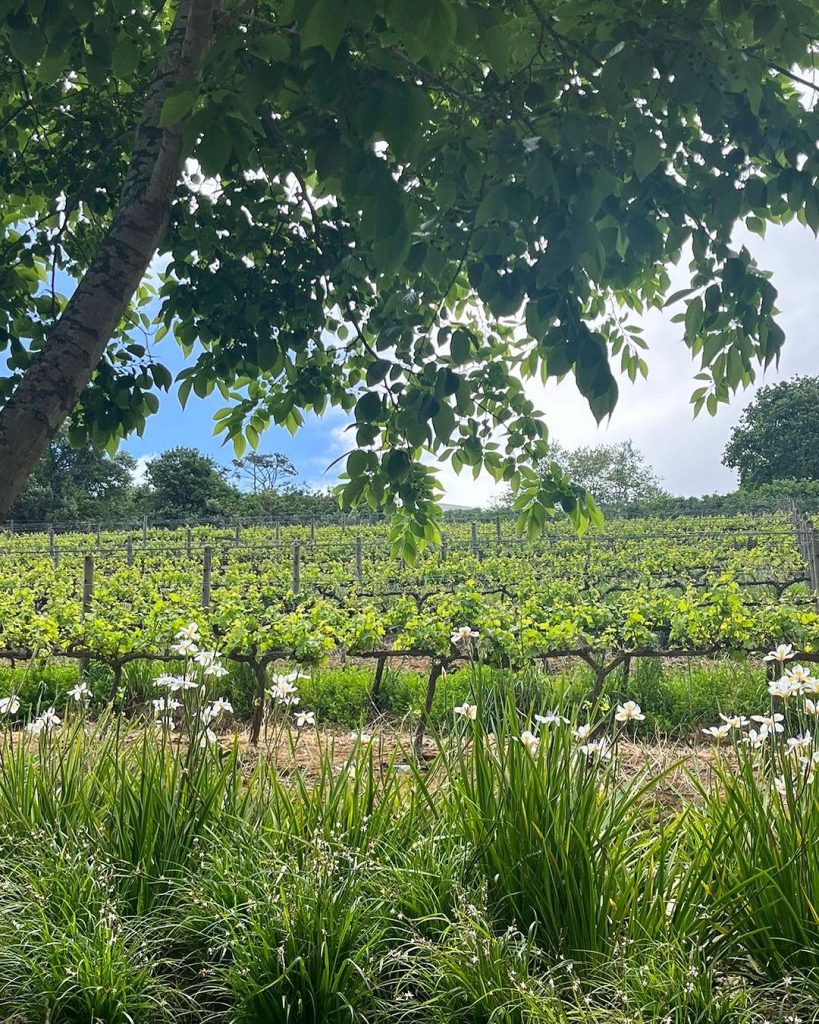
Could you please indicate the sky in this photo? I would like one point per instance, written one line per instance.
(655, 414)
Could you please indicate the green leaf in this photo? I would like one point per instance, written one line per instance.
(177, 106)
(125, 57)
(326, 24)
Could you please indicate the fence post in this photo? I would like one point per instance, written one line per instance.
(312, 531)
(87, 597)
(207, 561)
(99, 536)
(474, 540)
(444, 547)
(498, 531)
(51, 538)
(278, 535)
(55, 554)
(296, 567)
(188, 543)
(144, 529)
(238, 533)
(129, 551)
(359, 559)
(815, 556)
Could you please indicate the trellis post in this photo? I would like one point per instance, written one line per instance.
(207, 565)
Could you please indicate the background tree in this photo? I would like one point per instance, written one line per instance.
(185, 484)
(383, 190)
(777, 437)
(263, 472)
(616, 475)
(70, 484)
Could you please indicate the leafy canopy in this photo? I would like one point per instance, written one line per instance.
(778, 435)
(406, 208)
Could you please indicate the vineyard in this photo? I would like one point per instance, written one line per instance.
(546, 856)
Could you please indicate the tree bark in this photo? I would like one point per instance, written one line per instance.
(52, 385)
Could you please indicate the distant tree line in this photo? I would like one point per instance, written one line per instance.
(74, 484)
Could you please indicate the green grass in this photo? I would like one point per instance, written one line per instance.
(146, 880)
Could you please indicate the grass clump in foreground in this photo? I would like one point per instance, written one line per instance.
(158, 871)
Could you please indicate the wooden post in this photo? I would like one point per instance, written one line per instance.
(207, 562)
(238, 533)
(129, 551)
(359, 559)
(278, 535)
(144, 529)
(296, 567)
(474, 538)
(444, 547)
(99, 536)
(87, 598)
(188, 542)
(498, 531)
(55, 554)
(87, 583)
(312, 531)
(51, 539)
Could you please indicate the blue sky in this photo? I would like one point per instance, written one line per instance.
(316, 445)
(655, 414)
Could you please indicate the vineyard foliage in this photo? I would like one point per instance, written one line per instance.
(640, 586)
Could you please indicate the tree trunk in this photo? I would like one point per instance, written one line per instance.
(52, 385)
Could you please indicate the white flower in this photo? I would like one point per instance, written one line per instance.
(184, 648)
(755, 739)
(163, 705)
(799, 674)
(598, 748)
(80, 692)
(287, 677)
(799, 744)
(530, 741)
(360, 737)
(779, 783)
(463, 635)
(782, 653)
(467, 711)
(582, 732)
(629, 712)
(551, 718)
(784, 688)
(718, 732)
(810, 685)
(304, 718)
(189, 632)
(773, 723)
(811, 708)
(284, 692)
(734, 721)
(215, 671)
(9, 705)
(222, 705)
(208, 736)
(166, 722)
(176, 683)
(47, 721)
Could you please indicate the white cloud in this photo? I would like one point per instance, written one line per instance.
(139, 472)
